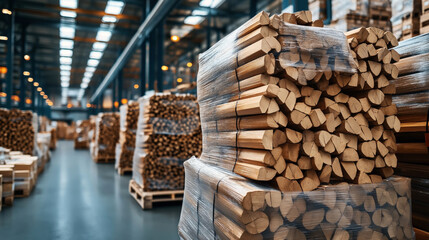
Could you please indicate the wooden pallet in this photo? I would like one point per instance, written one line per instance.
(424, 23)
(104, 159)
(122, 171)
(8, 201)
(146, 199)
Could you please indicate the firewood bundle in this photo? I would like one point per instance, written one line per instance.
(412, 101)
(127, 135)
(82, 139)
(221, 205)
(17, 131)
(283, 101)
(106, 135)
(168, 133)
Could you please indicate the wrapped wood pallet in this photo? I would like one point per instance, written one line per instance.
(412, 101)
(82, 139)
(7, 172)
(168, 133)
(127, 137)
(291, 107)
(106, 137)
(219, 204)
(17, 130)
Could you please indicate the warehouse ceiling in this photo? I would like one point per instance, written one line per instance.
(84, 26)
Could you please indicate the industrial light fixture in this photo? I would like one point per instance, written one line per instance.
(86, 79)
(175, 38)
(193, 20)
(103, 35)
(88, 105)
(36, 84)
(68, 4)
(3, 70)
(65, 84)
(95, 55)
(45, 97)
(93, 62)
(67, 32)
(109, 19)
(39, 89)
(65, 60)
(69, 105)
(136, 86)
(42, 93)
(90, 69)
(6, 11)
(211, 3)
(189, 64)
(65, 73)
(69, 14)
(27, 57)
(179, 80)
(83, 85)
(26, 73)
(164, 68)
(66, 43)
(65, 67)
(28, 101)
(124, 101)
(88, 74)
(30, 79)
(99, 46)
(3, 38)
(66, 52)
(114, 7)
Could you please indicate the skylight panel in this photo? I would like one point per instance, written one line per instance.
(68, 3)
(67, 32)
(99, 46)
(193, 20)
(65, 60)
(66, 53)
(65, 73)
(90, 69)
(114, 7)
(66, 43)
(69, 14)
(103, 36)
(211, 3)
(109, 19)
(65, 67)
(93, 62)
(95, 55)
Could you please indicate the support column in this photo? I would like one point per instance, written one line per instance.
(208, 30)
(152, 54)
(33, 89)
(120, 86)
(253, 8)
(22, 68)
(114, 84)
(10, 56)
(143, 52)
(160, 57)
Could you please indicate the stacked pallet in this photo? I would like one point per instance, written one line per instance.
(220, 205)
(424, 19)
(127, 137)
(17, 131)
(412, 100)
(25, 174)
(168, 133)
(106, 137)
(82, 139)
(42, 151)
(406, 18)
(8, 176)
(297, 114)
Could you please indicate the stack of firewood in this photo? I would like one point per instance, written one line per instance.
(127, 135)
(412, 101)
(286, 103)
(17, 131)
(220, 205)
(168, 134)
(106, 136)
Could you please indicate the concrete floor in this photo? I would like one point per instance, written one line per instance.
(77, 199)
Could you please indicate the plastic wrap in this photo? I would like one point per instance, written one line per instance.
(43, 153)
(106, 135)
(222, 79)
(221, 205)
(340, 8)
(168, 133)
(318, 9)
(127, 135)
(17, 130)
(82, 138)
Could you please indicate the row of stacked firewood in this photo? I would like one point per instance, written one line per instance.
(296, 107)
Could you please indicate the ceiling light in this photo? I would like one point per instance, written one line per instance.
(95, 55)
(86, 79)
(69, 14)
(88, 74)
(211, 3)
(30, 79)
(200, 13)
(136, 86)
(193, 20)
(179, 80)
(6, 11)
(39, 89)
(124, 101)
(164, 68)
(103, 36)
(65, 67)
(93, 62)
(45, 97)
(3, 38)
(189, 64)
(99, 46)
(68, 3)
(65, 73)
(114, 7)
(67, 32)
(66, 53)
(90, 69)
(88, 105)
(65, 60)
(42, 93)
(36, 84)
(66, 43)
(27, 57)
(109, 19)
(65, 84)
(175, 38)
(83, 85)
(26, 73)
(65, 78)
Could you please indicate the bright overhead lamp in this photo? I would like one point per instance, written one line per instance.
(90, 69)
(88, 74)
(136, 86)
(83, 85)
(26, 73)
(86, 80)
(175, 38)
(193, 20)
(3, 38)
(103, 35)
(99, 46)
(39, 89)
(93, 62)
(67, 32)
(66, 43)
(179, 80)
(30, 79)
(27, 57)
(65, 84)
(66, 53)
(65, 73)
(36, 84)
(114, 7)
(164, 68)
(6, 11)
(109, 19)
(65, 67)
(189, 64)
(65, 60)
(211, 3)
(68, 3)
(45, 97)
(95, 55)
(200, 12)
(69, 14)
(42, 93)
(65, 78)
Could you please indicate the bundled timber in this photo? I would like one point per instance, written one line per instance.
(219, 204)
(106, 137)
(323, 113)
(168, 133)
(82, 139)
(17, 130)
(127, 137)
